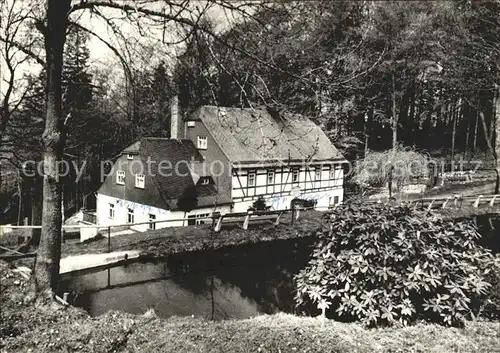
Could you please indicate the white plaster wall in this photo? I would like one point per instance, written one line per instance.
(324, 199)
(277, 199)
(87, 233)
(141, 213)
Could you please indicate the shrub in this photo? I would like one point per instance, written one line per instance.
(375, 168)
(383, 264)
(306, 203)
(259, 204)
(491, 306)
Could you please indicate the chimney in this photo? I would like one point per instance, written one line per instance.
(174, 118)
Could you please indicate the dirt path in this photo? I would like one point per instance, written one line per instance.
(486, 187)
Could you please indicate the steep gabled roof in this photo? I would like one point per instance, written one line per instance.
(170, 166)
(181, 155)
(256, 136)
(167, 153)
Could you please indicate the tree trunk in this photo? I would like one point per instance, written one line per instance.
(454, 118)
(49, 251)
(20, 196)
(467, 135)
(411, 117)
(394, 118)
(496, 151)
(36, 209)
(474, 143)
(493, 139)
(368, 119)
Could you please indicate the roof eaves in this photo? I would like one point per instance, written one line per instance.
(153, 176)
(270, 162)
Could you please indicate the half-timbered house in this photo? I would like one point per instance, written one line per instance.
(227, 157)
(266, 154)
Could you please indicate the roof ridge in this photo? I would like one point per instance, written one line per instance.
(224, 107)
(162, 138)
(255, 134)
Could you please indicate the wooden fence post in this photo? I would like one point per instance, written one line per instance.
(446, 201)
(247, 219)
(430, 206)
(109, 239)
(219, 224)
(492, 202)
(476, 203)
(278, 218)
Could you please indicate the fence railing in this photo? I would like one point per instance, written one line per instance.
(245, 218)
(455, 201)
(88, 231)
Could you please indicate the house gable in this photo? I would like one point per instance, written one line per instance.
(169, 167)
(216, 160)
(149, 195)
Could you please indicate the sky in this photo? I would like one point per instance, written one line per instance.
(150, 50)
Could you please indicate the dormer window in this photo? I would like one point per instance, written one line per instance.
(130, 156)
(120, 177)
(139, 181)
(204, 181)
(202, 142)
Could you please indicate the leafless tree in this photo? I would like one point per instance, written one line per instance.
(14, 56)
(148, 19)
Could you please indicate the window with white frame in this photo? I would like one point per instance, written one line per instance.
(201, 218)
(120, 177)
(295, 175)
(317, 176)
(152, 219)
(197, 219)
(130, 156)
(130, 215)
(202, 142)
(111, 214)
(205, 181)
(251, 179)
(332, 173)
(270, 177)
(139, 181)
(317, 173)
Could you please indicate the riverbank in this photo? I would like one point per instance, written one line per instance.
(172, 240)
(28, 326)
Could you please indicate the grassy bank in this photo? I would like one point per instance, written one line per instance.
(179, 239)
(44, 327)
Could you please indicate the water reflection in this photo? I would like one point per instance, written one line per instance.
(239, 282)
(236, 282)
